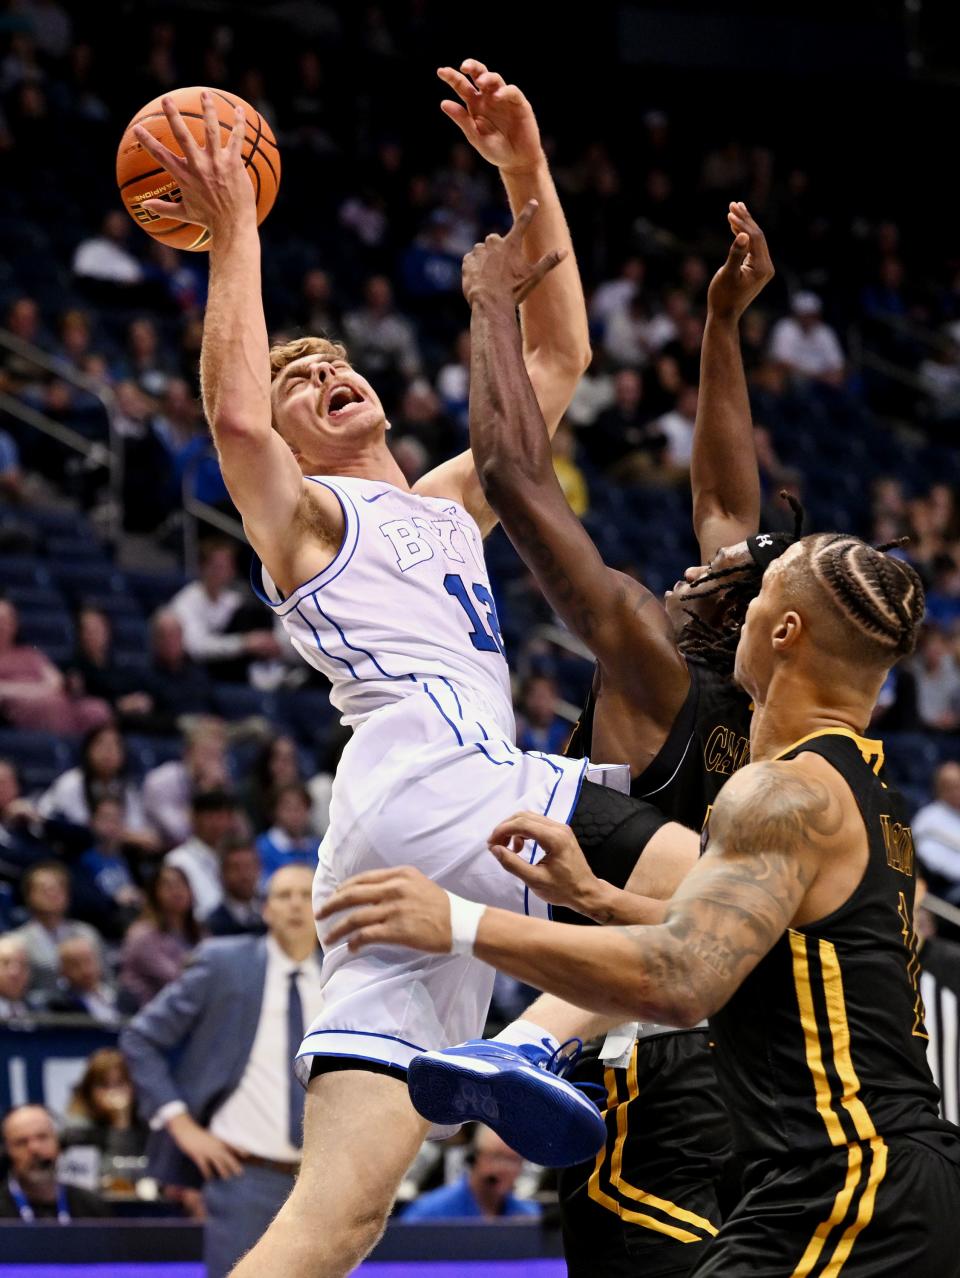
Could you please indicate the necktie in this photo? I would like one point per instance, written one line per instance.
(294, 1039)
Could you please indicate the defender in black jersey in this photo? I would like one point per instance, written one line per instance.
(793, 933)
(663, 703)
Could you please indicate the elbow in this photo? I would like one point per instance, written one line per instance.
(230, 429)
(683, 1008)
(501, 477)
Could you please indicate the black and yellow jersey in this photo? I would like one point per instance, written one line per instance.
(823, 1045)
(709, 740)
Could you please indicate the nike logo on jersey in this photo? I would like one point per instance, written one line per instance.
(377, 496)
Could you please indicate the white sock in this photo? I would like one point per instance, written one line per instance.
(519, 1032)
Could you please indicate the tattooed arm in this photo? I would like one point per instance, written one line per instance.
(768, 832)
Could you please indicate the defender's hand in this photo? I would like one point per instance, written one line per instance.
(747, 270)
(390, 907)
(498, 268)
(562, 877)
(214, 187)
(495, 118)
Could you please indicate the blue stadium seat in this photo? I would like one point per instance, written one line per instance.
(35, 598)
(236, 701)
(144, 752)
(40, 757)
(47, 630)
(130, 634)
(155, 589)
(80, 580)
(23, 570)
(74, 549)
(911, 758)
(307, 712)
(115, 605)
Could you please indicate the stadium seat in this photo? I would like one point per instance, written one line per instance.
(146, 752)
(80, 580)
(24, 570)
(47, 630)
(235, 701)
(40, 757)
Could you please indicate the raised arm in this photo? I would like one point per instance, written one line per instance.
(769, 832)
(498, 121)
(723, 467)
(622, 623)
(260, 471)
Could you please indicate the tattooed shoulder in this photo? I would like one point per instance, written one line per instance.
(775, 806)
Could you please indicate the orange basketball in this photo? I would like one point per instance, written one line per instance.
(140, 178)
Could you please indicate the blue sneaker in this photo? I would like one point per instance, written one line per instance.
(518, 1091)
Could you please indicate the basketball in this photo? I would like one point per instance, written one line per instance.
(139, 177)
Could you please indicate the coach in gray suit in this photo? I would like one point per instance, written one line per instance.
(212, 1059)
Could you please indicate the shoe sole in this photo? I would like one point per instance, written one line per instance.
(538, 1116)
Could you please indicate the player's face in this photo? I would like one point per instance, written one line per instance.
(325, 411)
(754, 659)
(682, 599)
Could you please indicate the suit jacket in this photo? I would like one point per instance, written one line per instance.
(192, 1042)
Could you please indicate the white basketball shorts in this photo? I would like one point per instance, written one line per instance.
(424, 782)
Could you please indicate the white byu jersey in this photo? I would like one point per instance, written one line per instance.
(404, 607)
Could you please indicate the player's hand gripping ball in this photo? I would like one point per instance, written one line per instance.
(140, 178)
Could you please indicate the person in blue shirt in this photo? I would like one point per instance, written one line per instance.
(290, 840)
(484, 1191)
(105, 885)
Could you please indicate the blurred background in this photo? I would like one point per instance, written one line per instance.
(138, 673)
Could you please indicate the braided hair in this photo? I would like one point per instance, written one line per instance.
(714, 643)
(878, 598)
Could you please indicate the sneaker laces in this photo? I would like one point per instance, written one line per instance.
(561, 1062)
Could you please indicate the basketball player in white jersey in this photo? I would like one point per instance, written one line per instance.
(384, 589)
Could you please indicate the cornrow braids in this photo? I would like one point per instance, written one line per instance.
(881, 597)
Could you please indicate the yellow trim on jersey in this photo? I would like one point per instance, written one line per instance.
(868, 748)
(878, 1169)
(840, 1033)
(640, 1195)
(811, 1038)
(599, 1194)
(841, 1205)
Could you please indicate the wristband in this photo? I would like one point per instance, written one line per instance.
(464, 920)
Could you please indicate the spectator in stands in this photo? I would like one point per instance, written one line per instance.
(453, 382)
(318, 311)
(31, 1190)
(214, 816)
(178, 685)
(485, 1190)
(105, 258)
(290, 840)
(596, 392)
(118, 899)
(211, 1061)
(158, 944)
(807, 346)
(94, 673)
(21, 829)
(33, 692)
(81, 986)
(381, 341)
(103, 1109)
(622, 435)
(102, 772)
(168, 789)
(241, 910)
(936, 832)
(421, 418)
(569, 474)
(937, 673)
(46, 894)
(15, 999)
(206, 609)
(277, 765)
(677, 428)
(613, 294)
(146, 363)
(539, 727)
(11, 476)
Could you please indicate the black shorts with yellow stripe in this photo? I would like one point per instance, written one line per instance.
(652, 1199)
(881, 1208)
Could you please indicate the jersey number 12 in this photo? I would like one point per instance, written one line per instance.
(483, 640)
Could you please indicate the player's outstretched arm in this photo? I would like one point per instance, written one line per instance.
(723, 467)
(498, 121)
(622, 623)
(261, 473)
(770, 829)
